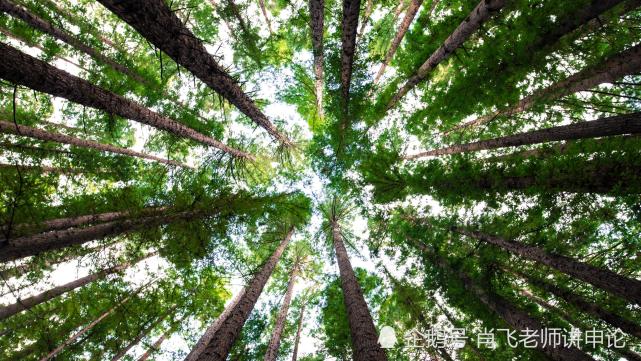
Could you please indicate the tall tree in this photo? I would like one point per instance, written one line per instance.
(317, 14)
(121, 353)
(299, 329)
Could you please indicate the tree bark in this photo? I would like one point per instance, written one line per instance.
(157, 23)
(223, 340)
(30, 302)
(31, 245)
(24, 268)
(365, 344)
(299, 330)
(622, 64)
(156, 346)
(274, 343)
(604, 127)
(22, 130)
(481, 13)
(369, 7)
(264, 11)
(317, 14)
(141, 335)
(349, 25)
(624, 287)
(26, 70)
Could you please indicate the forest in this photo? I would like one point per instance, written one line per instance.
(310, 180)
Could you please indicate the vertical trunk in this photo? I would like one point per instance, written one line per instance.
(317, 14)
(274, 343)
(624, 287)
(157, 23)
(22, 130)
(604, 127)
(364, 336)
(622, 64)
(299, 329)
(141, 335)
(481, 13)
(411, 12)
(156, 346)
(30, 302)
(450, 317)
(369, 7)
(263, 9)
(26, 70)
(31, 245)
(223, 340)
(349, 26)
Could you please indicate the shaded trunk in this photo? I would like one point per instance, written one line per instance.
(157, 23)
(317, 14)
(583, 304)
(604, 127)
(410, 13)
(450, 317)
(22, 130)
(263, 9)
(141, 335)
(349, 26)
(24, 268)
(481, 13)
(617, 66)
(365, 344)
(26, 70)
(32, 149)
(369, 7)
(31, 245)
(223, 340)
(30, 302)
(299, 330)
(156, 346)
(274, 343)
(624, 287)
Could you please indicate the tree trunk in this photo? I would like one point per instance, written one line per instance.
(157, 23)
(263, 9)
(26, 70)
(604, 127)
(349, 25)
(22, 130)
(410, 13)
(450, 317)
(141, 335)
(44, 26)
(481, 13)
(369, 7)
(30, 302)
(622, 64)
(299, 329)
(156, 346)
(31, 245)
(24, 268)
(583, 304)
(624, 287)
(43, 169)
(274, 343)
(317, 14)
(362, 330)
(223, 340)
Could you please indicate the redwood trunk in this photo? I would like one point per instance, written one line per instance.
(274, 343)
(369, 7)
(26, 70)
(481, 13)
(604, 127)
(299, 330)
(622, 64)
(141, 335)
(349, 25)
(361, 325)
(264, 11)
(223, 340)
(317, 13)
(624, 287)
(157, 23)
(23, 130)
(156, 346)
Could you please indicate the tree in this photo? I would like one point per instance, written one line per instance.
(317, 13)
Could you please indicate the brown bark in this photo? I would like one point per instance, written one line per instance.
(141, 335)
(31, 245)
(299, 330)
(30, 302)
(274, 343)
(157, 23)
(365, 345)
(410, 13)
(349, 25)
(481, 13)
(222, 341)
(23, 130)
(624, 287)
(617, 66)
(317, 14)
(369, 7)
(263, 9)
(23, 69)
(604, 127)
(156, 346)
(583, 304)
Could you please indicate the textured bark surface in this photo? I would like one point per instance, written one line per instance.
(365, 345)
(604, 127)
(31, 245)
(157, 23)
(299, 330)
(349, 25)
(26, 70)
(317, 14)
(22, 130)
(274, 343)
(624, 287)
(223, 340)
(141, 335)
(410, 13)
(622, 64)
(481, 13)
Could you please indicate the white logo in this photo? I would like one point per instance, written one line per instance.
(387, 339)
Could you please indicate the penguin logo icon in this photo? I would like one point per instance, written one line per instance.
(387, 339)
